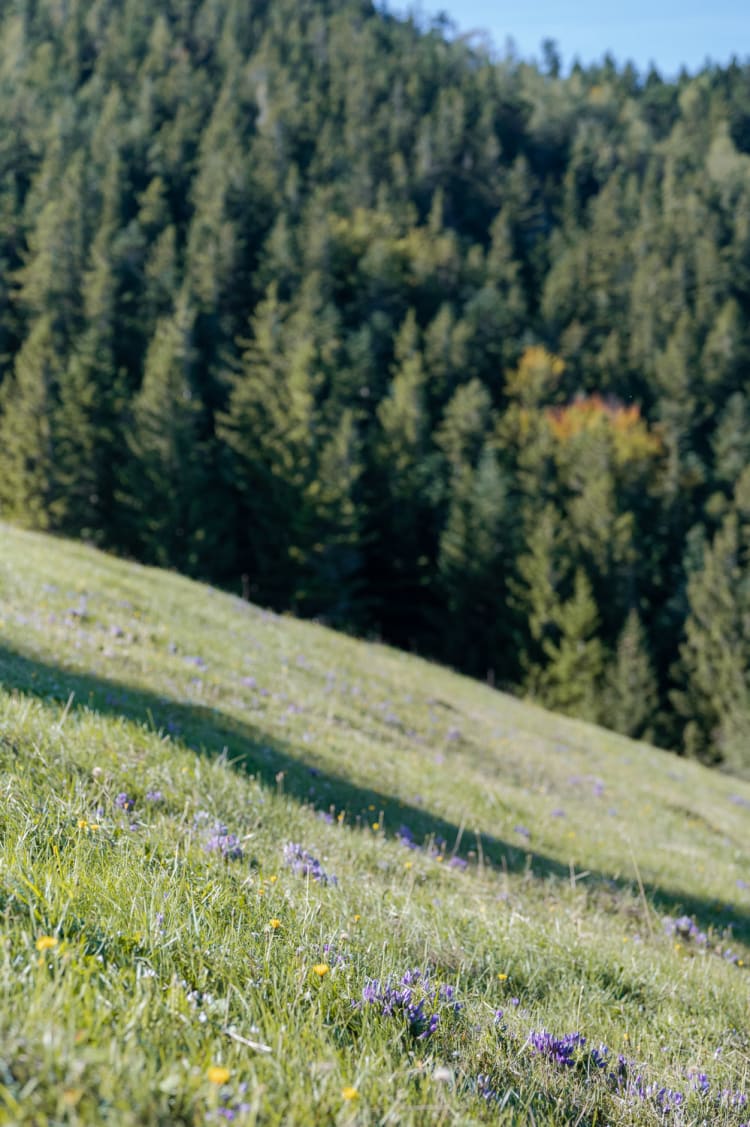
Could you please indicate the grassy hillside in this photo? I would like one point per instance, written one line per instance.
(230, 841)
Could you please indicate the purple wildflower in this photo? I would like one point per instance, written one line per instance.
(600, 1056)
(302, 862)
(124, 802)
(154, 796)
(485, 1089)
(700, 1083)
(560, 1050)
(686, 929)
(415, 998)
(406, 837)
(221, 841)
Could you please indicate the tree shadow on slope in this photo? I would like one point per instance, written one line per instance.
(279, 765)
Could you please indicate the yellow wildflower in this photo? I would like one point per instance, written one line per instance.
(217, 1074)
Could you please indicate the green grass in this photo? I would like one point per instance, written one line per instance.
(162, 962)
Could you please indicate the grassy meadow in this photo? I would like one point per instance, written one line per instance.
(253, 871)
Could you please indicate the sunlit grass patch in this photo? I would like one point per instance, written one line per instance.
(255, 872)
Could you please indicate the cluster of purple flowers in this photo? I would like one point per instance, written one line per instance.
(415, 998)
(406, 837)
(686, 929)
(560, 1050)
(217, 838)
(124, 802)
(623, 1076)
(302, 862)
(224, 842)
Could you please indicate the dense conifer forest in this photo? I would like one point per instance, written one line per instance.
(378, 326)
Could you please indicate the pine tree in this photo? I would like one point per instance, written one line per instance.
(404, 505)
(536, 592)
(92, 390)
(713, 672)
(294, 467)
(572, 679)
(472, 564)
(631, 699)
(161, 486)
(29, 460)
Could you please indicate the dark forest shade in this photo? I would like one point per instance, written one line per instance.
(430, 345)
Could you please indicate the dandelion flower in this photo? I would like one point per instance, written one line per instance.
(46, 943)
(350, 1093)
(502, 977)
(217, 1074)
(321, 969)
(274, 924)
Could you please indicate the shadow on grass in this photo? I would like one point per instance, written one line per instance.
(279, 765)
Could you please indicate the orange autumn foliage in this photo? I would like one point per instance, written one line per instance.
(590, 414)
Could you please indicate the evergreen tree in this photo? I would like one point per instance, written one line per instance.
(161, 487)
(572, 680)
(30, 489)
(537, 592)
(405, 510)
(631, 702)
(714, 667)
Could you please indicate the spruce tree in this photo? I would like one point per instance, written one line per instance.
(571, 681)
(30, 488)
(713, 672)
(162, 479)
(631, 699)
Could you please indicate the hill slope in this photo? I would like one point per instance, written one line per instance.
(227, 837)
(447, 347)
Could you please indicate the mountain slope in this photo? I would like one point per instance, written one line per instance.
(184, 775)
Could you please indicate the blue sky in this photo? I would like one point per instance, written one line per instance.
(671, 33)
